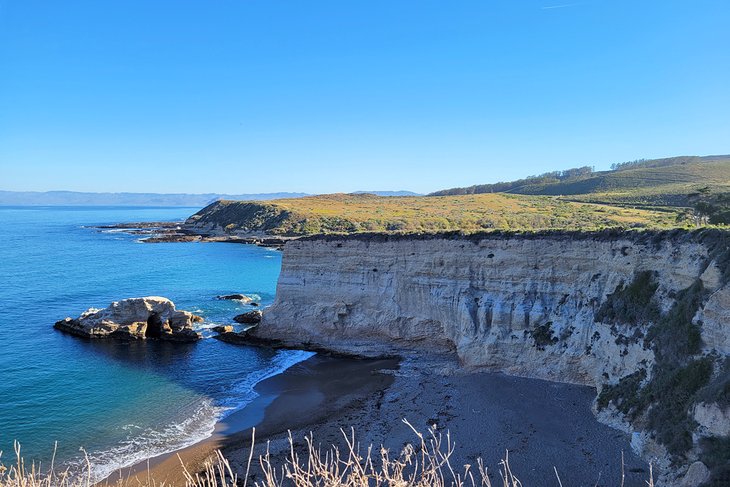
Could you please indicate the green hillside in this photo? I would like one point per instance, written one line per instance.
(673, 182)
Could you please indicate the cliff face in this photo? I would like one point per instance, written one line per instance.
(524, 305)
(582, 308)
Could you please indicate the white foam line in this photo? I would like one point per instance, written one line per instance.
(199, 426)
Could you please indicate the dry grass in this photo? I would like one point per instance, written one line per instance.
(346, 213)
(426, 463)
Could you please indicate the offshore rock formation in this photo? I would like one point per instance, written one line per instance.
(134, 318)
(600, 309)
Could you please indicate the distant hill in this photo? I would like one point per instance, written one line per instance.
(73, 198)
(389, 193)
(657, 182)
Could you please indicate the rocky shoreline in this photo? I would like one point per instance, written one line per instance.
(171, 232)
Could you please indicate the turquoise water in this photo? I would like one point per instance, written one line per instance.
(121, 402)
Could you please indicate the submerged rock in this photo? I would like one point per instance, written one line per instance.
(236, 297)
(234, 337)
(249, 317)
(134, 318)
(223, 329)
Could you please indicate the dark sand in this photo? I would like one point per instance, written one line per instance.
(542, 424)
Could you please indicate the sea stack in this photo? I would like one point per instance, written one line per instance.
(134, 318)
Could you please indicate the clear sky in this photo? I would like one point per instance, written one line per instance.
(322, 96)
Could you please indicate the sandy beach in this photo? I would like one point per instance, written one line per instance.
(542, 424)
(309, 393)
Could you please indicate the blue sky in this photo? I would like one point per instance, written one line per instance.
(323, 96)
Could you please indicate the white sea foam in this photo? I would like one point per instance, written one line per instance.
(144, 443)
(243, 392)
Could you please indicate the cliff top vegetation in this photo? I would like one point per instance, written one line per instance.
(348, 213)
(678, 192)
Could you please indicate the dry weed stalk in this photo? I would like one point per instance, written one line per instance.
(427, 464)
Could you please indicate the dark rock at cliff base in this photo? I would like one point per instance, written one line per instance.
(134, 318)
(223, 329)
(235, 297)
(233, 337)
(250, 317)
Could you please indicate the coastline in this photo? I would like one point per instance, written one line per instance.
(298, 397)
(542, 424)
(176, 232)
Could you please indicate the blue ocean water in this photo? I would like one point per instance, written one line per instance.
(121, 402)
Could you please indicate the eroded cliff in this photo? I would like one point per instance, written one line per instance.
(637, 315)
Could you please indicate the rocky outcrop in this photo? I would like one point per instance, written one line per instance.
(587, 308)
(712, 419)
(134, 318)
(697, 474)
(250, 317)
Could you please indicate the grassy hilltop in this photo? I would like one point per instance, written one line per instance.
(348, 213)
(663, 193)
(671, 182)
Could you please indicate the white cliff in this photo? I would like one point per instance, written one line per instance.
(521, 304)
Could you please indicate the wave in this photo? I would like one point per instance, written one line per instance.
(144, 443)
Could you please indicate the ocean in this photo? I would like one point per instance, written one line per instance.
(117, 402)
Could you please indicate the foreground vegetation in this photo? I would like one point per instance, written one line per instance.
(353, 213)
(427, 463)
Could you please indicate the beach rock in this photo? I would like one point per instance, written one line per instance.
(236, 297)
(223, 329)
(250, 317)
(134, 318)
(697, 474)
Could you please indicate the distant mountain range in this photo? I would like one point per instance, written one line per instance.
(73, 198)
(389, 193)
